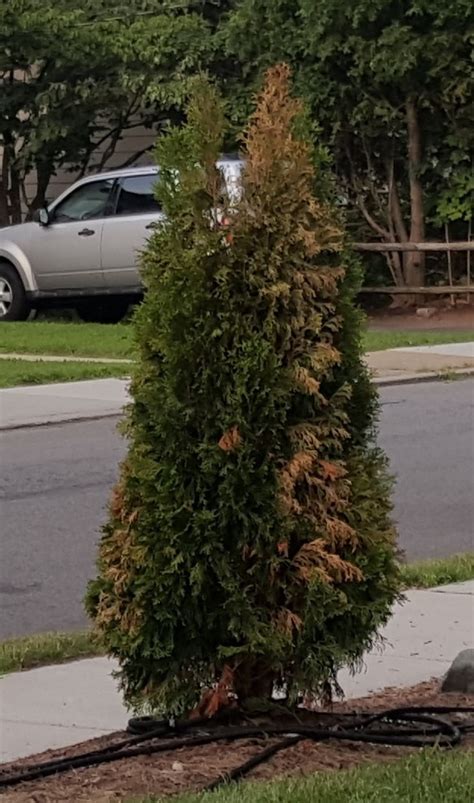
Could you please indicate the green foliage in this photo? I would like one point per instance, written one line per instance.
(97, 69)
(360, 66)
(456, 201)
(76, 76)
(249, 544)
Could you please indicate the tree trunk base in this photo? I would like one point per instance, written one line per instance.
(253, 681)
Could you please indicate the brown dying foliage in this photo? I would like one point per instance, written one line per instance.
(279, 192)
(230, 440)
(121, 558)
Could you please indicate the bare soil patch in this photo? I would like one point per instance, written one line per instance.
(460, 317)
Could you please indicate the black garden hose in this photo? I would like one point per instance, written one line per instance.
(408, 727)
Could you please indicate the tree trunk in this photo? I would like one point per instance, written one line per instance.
(15, 196)
(414, 263)
(4, 217)
(396, 223)
(44, 171)
(11, 181)
(253, 680)
(4, 204)
(396, 211)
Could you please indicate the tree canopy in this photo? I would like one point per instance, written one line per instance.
(391, 86)
(249, 545)
(76, 75)
(388, 83)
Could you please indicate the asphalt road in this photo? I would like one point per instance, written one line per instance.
(55, 482)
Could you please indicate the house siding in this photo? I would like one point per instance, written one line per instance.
(130, 144)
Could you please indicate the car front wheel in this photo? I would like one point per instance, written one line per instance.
(13, 303)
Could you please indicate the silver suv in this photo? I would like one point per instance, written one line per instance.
(82, 251)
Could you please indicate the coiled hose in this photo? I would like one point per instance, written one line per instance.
(407, 727)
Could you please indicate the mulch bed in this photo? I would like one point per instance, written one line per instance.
(191, 769)
(458, 318)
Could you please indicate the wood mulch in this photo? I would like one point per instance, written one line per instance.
(457, 318)
(191, 769)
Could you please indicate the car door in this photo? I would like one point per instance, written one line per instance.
(126, 232)
(65, 254)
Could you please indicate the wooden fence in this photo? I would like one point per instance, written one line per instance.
(429, 247)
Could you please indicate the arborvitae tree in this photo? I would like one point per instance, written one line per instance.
(249, 545)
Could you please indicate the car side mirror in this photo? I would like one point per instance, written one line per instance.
(43, 217)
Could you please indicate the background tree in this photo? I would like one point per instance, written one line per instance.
(76, 76)
(390, 85)
(249, 544)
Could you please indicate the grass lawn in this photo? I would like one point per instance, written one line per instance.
(378, 341)
(80, 339)
(21, 372)
(46, 648)
(430, 573)
(428, 777)
(116, 340)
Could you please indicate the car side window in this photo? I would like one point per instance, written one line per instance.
(92, 200)
(136, 195)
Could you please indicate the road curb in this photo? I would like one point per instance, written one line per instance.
(58, 422)
(432, 376)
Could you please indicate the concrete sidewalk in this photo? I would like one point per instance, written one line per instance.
(97, 398)
(400, 365)
(58, 706)
(65, 401)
